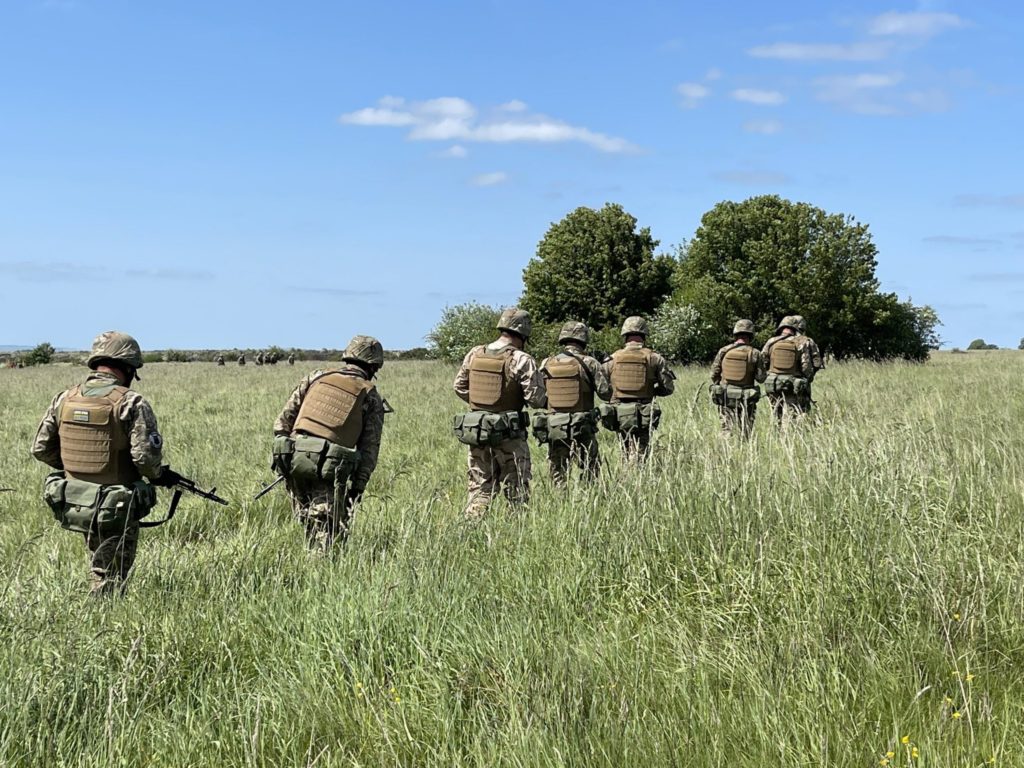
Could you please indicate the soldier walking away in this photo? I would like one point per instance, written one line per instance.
(816, 358)
(259, 358)
(787, 356)
(241, 359)
(327, 439)
(291, 359)
(220, 360)
(734, 375)
(101, 438)
(572, 379)
(637, 375)
(499, 380)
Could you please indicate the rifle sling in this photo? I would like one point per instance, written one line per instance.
(170, 512)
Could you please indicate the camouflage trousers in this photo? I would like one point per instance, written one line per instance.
(501, 468)
(789, 407)
(738, 419)
(325, 511)
(111, 557)
(583, 453)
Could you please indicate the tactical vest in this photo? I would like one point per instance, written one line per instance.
(491, 387)
(785, 357)
(333, 408)
(738, 366)
(569, 391)
(632, 374)
(94, 445)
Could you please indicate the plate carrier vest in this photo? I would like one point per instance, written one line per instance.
(632, 374)
(738, 366)
(490, 382)
(333, 408)
(785, 357)
(94, 446)
(569, 390)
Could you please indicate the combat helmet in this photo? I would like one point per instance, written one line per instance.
(116, 347)
(743, 326)
(637, 325)
(366, 350)
(799, 324)
(787, 322)
(574, 331)
(517, 321)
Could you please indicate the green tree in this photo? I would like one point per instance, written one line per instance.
(595, 266)
(40, 355)
(461, 328)
(767, 257)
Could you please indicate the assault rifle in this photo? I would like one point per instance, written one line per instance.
(171, 479)
(6, 490)
(267, 489)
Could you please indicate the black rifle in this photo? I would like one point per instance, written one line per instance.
(6, 490)
(267, 489)
(181, 485)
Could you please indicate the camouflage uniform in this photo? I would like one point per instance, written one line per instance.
(241, 359)
(816, 358)
(788, 404)
(325, 508)
(637, 445)
(743, 414)
(111, 554)
(506, 466)
(291, 359)
(584, 452)
(220, 360)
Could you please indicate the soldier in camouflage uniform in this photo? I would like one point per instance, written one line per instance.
(291, 359)
(499, 380)
(259, 358)
(787, 355)
(801, 330)
(734, 375)
(637, 375)
(241, 359)
(220, 360)
(102, 439)
(327, 440)
(572, 379)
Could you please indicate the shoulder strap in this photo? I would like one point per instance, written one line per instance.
(586, 371)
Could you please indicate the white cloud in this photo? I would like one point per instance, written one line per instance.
(864, 93)
(859, 51)
(929, 100)
(765, 127)
(713, 74)
(915, 24)
(456, 151)
(760, 97)
(489, 179)
(691, 94)
(453, 119)
(754, 178)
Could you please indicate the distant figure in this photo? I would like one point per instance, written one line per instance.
(259, 358)
(790, 371)
(241, 359)
(734, 376)
(220, 359)
(291, 359)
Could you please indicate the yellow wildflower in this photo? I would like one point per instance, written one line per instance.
(969, 678)
(914, 753)
(890, 754)
(883, 761)
(956, 715)
(956, 617)
(905, 740)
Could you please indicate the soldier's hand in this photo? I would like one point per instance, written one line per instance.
(168, 477)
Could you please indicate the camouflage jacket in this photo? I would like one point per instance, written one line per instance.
(523, 368)
(368, 444)
(760, 365)
(816, 358)
(602, 387)
(806, 361)
(664, 379)
(136, 417)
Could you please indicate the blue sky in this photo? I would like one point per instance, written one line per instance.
(219, 174)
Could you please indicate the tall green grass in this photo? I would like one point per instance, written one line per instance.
(809, 598)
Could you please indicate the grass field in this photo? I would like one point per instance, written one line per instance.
(812, 599)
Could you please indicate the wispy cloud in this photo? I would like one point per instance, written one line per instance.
(753, 178)
(183, 275)
(692, 94)
(761, 98)
(713, 74)
(870, 50)
(996, 277)
(328, 291)
(764, 127)
(450, 118)
(63, 272)
(456, 151)
(489, 179)
(859, 93)
(976, 244)
(914, 24)
(990, 201)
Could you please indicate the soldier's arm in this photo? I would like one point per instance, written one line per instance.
(147, 445)
(760, 367)
(285, 421)
(461, 383)
(602, 387)
(806, 362)
(530, 379)
(716, 367)
(816, 358)
(369, 441)
(46, 445)
(664, 379)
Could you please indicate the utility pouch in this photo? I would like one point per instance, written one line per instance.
(559, 426)
(581, 425)
(466, 427)
(478, 428)
(53, 494)
(540, 428)
(801, 386)
(650, 416)
(718, 394)
(316, 460)
(281, 454)
(740, 397)
(609, 417)
(339, 462)
(779, 383)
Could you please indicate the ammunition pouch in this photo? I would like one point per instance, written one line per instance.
(732, 396)
(630, 418)
(781, 383)
(82, 506)
(281, 455)
(565, 427)
(483, 428)
(316, 460)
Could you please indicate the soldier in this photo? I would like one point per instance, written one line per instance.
(327, 439)
(220, 359)
(499, 380)
(734, 375)
(259, 358)
(787, 356)
(101, 438)
(637, 375)
(291, 359)
(241, 359)
(572, 378)
(801, 330)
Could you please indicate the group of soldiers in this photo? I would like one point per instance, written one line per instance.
(261, 358)
(102, 442)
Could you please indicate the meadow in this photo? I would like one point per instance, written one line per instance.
(849, 593)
